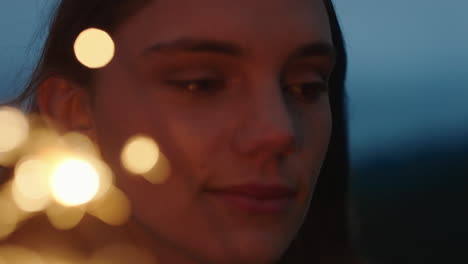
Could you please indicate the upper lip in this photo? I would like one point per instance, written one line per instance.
(258, 191)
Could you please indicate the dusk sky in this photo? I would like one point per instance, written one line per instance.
(408, 68)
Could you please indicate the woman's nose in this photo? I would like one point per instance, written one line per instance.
(268, 126)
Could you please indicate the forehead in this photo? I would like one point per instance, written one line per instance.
(250, 23)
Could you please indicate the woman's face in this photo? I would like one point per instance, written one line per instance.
(234, 94)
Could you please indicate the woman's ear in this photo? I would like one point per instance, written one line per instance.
(65, 106)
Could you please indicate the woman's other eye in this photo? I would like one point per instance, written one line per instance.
(205, 85)
(307, 92)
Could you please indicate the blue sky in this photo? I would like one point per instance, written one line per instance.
(408, 68)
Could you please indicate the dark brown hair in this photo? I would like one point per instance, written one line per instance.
(324, 236)
(57, 58)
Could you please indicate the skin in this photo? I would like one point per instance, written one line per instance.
(255, 125)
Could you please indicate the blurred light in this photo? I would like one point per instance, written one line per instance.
(57, 260)
(113, 208)
(80, 144)
(19, 255)
(14, 128)
(30, 185)
(140, 154)
(106, 177)
(63, 217)
(161, 171)
(74, 182)
(9, 217)
(94, 48)
(42, 139)
(8, 159)
(121, 253)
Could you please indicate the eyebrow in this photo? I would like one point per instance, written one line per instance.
(322, 49)
(197, 46)
(234, 50)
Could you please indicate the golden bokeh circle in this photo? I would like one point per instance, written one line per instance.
(74, 182)
(94, 48)
(30, 190)
(14, 128)
(140, 154)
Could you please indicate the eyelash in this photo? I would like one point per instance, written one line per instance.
(209, 85)
(308, 92)
(212, 85)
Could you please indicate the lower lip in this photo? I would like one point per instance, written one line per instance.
(252, 205)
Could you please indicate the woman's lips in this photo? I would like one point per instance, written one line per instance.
(257, 199)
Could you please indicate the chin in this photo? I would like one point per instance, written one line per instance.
(256, 252)
(256, 258)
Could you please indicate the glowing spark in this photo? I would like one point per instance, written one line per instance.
(140, 155)
(74, 182)
(81, 145)
(94, 48)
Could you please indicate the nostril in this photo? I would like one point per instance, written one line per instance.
(289, 149)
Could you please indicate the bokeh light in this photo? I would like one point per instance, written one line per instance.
(30, 185)
(63, 217)
(41, 139)
(106, 177)
(14, 128)
(113, 208)
(122, 253)
(10, 217)
(160, 172)
(19, 255)
(53, 259)
(94, 48)
(83, 147)
(74, 182)
(80, 144)
(140, 154)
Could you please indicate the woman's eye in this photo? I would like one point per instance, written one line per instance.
(197, 85)
(309, 92)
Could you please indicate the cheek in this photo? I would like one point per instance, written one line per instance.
(187, 136)
(314, 127)
(315, 141)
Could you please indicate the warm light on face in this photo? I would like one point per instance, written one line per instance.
(9, 218)
(94, 48)
(15, 254)
(30, 185)
(74, 182)
(140, 155)
(14, 128)
(123, 253)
